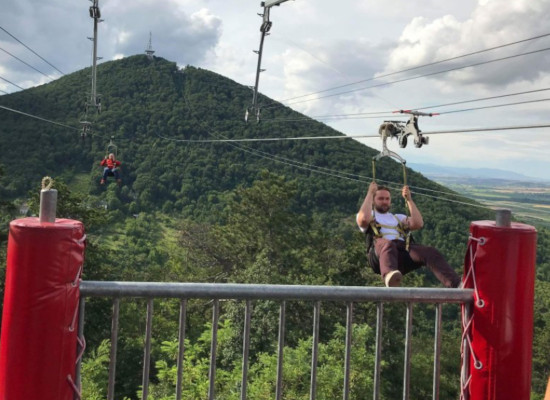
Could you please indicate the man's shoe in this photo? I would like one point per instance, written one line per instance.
(393, 278)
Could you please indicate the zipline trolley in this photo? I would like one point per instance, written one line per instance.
(400, 130)
(112, 148)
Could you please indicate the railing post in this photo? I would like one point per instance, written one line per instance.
(500, 266)
(38, 347)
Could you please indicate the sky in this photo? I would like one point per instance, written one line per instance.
(315, 46)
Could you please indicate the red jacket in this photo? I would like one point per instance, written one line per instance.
(109, 163)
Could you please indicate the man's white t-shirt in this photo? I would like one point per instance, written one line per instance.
(389, 220)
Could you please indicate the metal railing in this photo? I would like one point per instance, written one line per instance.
(282, 293)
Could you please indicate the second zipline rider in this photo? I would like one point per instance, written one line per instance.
(389, 252)
(111, 168)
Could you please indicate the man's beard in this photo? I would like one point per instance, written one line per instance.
(381, 208)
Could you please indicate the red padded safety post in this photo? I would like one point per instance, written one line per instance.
(40, 318)
(502, 325)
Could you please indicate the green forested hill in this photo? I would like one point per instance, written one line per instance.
(265, 212)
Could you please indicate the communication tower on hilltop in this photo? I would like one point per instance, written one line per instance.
(149, 51)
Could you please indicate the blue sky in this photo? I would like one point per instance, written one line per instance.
(317, 45)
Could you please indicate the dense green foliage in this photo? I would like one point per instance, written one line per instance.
(272, 212)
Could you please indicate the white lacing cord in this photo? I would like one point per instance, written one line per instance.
(73, 386)
(74, 283)
(479, 302)
(467, 323)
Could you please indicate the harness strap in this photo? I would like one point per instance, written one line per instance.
(403, 233)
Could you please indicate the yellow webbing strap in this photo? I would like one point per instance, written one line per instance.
(401, 230)
(406, 235)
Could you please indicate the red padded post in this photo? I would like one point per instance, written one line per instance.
(502, 325)
(40, 318)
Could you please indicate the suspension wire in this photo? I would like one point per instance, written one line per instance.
(482, 99)
(39, 118)
(277, 139)
(4, 79)
(417, 67)
(494, 106)
(227, 140)
(502, 128)
(34, 52)
(27, 64)
(50, 121)
(529, 216)
(331, 117)
(3, 91)
(357, 115)
(519, 206)
(412, 78)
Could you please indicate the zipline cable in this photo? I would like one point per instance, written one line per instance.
(494, 106)
(10, 82)
(34, 52)
(27, 64)
(411, 78)
(482, 99)
(278, 139)
(51, 122)
(227, 140)
(357, 115)
(39, 118)
(417, 67)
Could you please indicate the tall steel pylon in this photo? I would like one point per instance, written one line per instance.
(149, 51)
(95, 13)
(94, 100)
(264, 29)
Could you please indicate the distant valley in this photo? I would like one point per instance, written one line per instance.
(480, 175)
(528, 198)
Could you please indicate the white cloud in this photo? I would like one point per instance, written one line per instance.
(179, 35)
(492, 23)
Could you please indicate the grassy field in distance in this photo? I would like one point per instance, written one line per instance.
(528, 201)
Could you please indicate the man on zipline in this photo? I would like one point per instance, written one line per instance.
(111, 165)
(389, 252)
